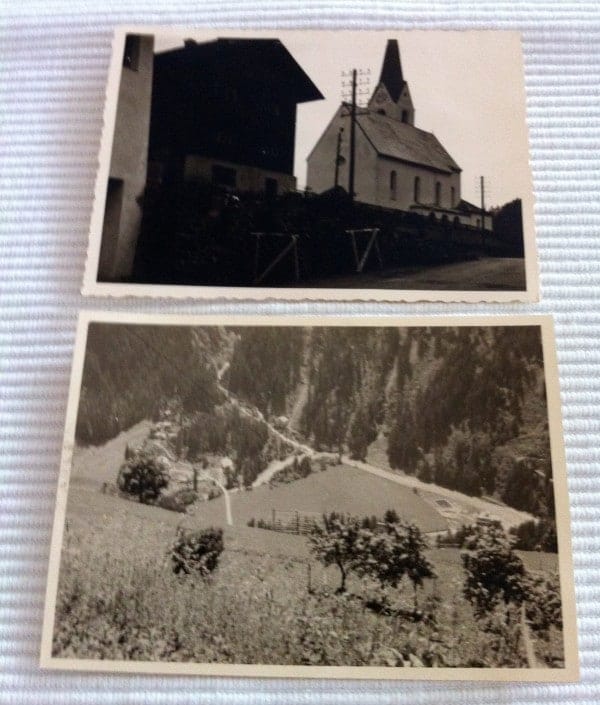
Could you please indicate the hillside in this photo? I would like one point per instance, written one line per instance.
(462, 408)
(118, 598)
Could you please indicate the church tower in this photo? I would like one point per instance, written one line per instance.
(391, 96)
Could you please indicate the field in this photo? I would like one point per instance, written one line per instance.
(340, 488)
(269, 601)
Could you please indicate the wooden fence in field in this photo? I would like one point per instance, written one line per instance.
(293, 522)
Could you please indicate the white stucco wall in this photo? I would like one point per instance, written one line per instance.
(372, 172)
(405, 185)
(129, 163)
(248, 178)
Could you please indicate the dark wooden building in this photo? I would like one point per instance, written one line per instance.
(224, 112)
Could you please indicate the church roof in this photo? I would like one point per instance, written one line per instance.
(391, 70)
(400, 140)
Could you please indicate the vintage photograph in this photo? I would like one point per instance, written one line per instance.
(297, 497)
(314, 164)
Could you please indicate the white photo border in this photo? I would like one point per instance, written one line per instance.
(569, 673)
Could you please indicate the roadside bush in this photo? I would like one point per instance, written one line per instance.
(197, 551)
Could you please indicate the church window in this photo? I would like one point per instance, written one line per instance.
(417, 190)
(393, 185)
(405, 116)
(438, 193)
(131, 55)
(452, 196)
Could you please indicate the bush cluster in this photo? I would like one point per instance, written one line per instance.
(144, 475)
(197, 551)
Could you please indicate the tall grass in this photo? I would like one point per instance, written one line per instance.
(119, 599)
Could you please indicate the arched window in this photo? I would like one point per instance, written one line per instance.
(393, 185)
(438, 193)
(405, 116)
(417, 190)
(452, 196)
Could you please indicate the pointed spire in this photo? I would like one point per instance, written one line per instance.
(391, 71)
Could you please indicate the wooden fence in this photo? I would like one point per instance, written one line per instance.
(293, 522)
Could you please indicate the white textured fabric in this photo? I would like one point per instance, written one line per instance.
(54, 56)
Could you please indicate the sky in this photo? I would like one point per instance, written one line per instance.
(467, 88)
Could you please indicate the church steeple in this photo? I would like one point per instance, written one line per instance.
(391, 96)
(391, 70)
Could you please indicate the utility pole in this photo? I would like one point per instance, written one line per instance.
(482, 188)
(358, 85)
(338, 157)
(352, 138)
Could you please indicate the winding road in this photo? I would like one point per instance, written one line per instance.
(507, 516)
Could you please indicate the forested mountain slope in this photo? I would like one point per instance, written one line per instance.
(463, 407)
(130, 370)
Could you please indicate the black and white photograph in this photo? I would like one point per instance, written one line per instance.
(314, 164)
(309, 497)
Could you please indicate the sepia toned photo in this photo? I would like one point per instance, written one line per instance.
(321, 164)
(313, 498)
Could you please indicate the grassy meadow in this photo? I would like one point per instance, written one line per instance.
(119, 599)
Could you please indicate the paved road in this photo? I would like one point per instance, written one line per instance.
(486, 274)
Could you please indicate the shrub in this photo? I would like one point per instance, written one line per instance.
(391, 517)
(544, 606)
(494, 572)
(197, 551)
(144, 475)
(535, 536)
(178, 501)
(305, 468)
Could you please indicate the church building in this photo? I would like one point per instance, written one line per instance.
(398, 165)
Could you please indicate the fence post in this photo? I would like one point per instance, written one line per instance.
(297, 523)
(309, 578)
(273, 518)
